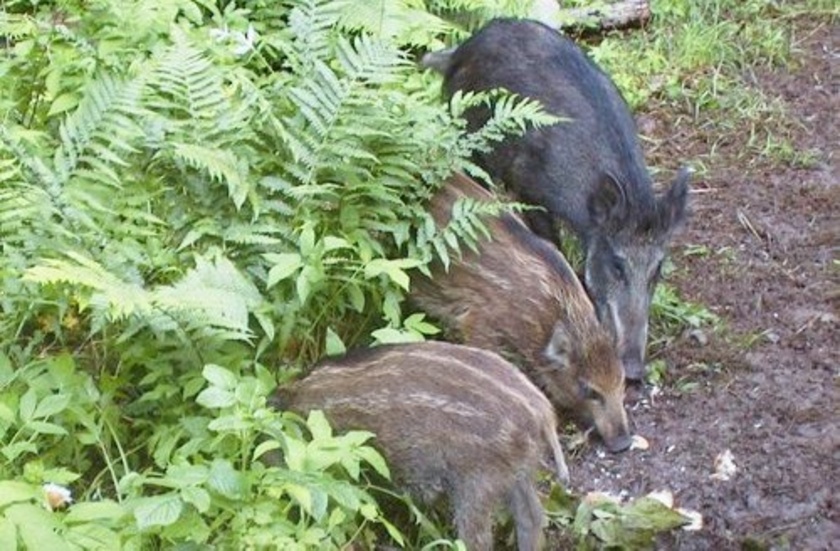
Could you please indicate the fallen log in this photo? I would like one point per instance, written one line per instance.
(598, 17)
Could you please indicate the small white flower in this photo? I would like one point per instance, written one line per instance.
(241, 43)
(57, 496)
(245, 41)
(220, 35)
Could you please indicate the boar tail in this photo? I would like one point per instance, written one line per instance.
(559, 457)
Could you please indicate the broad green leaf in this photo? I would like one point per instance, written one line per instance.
(215, 397)
(295, 454)
(158, 511)
(51, 405)
(44, 427)
(36, 527)
(265, 447)
(226, 480)
(63, 103)
(12, 491)
(375, 460)
(284, 265)
(301, 495)
(188, 475)
(219, 376)
(7, 373)
(8, 535)
(87, 511)
(90, 536)
(307, 239)
(198, 497)
(334, 345)
(331, 243)
(318, 425)
(391, 335)
(26, 407)
(229, 423)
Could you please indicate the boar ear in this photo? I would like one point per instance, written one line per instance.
(557, 349)
(607, 203)
(672, 206)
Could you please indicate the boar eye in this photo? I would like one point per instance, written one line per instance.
(619, 268)
(589, 393)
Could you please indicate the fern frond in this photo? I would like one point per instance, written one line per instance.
(218, 292)
(222, 166)
(114, 297)
(101, 127)
(310, 22)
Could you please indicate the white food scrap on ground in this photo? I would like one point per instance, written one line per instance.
(725, 467)
(639, 442)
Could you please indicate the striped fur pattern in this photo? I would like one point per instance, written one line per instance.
(452, 421)
(518, 296)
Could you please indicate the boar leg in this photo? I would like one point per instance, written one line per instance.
(527, 512)
(474, 502)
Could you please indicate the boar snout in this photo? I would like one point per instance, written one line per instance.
(618, 443)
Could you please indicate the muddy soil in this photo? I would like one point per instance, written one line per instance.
(766, 386)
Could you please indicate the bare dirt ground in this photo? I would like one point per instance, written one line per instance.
(768, 384)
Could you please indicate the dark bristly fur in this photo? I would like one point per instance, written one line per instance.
(588, 171)
(519, 297)
(450, 420)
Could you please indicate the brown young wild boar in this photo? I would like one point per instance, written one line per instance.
(451, 421)
(520, 297)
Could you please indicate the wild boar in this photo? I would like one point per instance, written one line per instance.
(451, 421)
(588, 172)
(518, 296)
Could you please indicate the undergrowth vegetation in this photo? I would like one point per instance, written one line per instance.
(198, 200)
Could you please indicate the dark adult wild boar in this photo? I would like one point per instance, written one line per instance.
(588, 172)
(519, 297)
(451, 421)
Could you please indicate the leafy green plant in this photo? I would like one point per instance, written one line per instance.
(601, 521)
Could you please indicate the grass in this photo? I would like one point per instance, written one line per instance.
(700, 59)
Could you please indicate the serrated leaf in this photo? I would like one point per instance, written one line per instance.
(198, 497)
(318, 425)
(295, 454)
(219, 376)
(158, 511)
(375, 460)
(265, 447)
(228, 423)
(391, 335)
(187, 475)
(226, 480)
(93, 537)
(301, 494)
